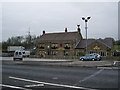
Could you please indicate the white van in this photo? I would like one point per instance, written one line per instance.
(18, 55)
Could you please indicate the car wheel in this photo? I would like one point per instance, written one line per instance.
(82, 59)
(14, 59)
(93, 59)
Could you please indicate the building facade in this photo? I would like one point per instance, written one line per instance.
(58, 44)
(101, 46)
(71, 44)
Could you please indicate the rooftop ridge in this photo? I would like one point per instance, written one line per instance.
(61, 32)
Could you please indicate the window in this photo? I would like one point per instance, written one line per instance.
(16, 53)
(54, 46)
(23, 52)
(53, 52)
(67, 46)
(66, 53)
(41, 46)
(91, 52)
(103, 53)
(20, 53)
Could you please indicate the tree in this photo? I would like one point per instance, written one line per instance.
(117, 42)
(28, 42)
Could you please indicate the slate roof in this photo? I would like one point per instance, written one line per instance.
(66, 36)
(107, 42)
(59, 36)
(82, 43)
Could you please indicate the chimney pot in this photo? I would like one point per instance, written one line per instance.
(65, 29)
(78, 29)
(43, 32)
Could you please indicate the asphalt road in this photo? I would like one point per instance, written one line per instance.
(33, 77)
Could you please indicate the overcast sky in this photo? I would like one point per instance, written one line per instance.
(54, 17)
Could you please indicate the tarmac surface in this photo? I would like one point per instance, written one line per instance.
(61, 62)
(27, 77)
(38, 74)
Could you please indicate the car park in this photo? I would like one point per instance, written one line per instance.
(18, 55)
(93, 56)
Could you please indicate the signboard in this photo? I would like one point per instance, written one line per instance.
(60, 49)
(96, 47)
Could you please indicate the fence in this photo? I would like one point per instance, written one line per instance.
(112, 58)
(56, 57)
(115, 58)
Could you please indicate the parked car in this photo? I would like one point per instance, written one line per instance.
(98, 56)
(18, 55)
(26, 53)
(93, 56)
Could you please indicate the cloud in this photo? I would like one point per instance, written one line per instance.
(54, 17)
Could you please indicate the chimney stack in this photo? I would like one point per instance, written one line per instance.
(65, 29)
(78, 29)
(43, 32)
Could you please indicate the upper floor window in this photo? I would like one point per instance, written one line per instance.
(42, 45)
(54, 46)
(67, 46)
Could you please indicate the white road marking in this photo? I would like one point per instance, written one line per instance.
(86, 78)
(52, 84)
(35, 85)
(55, 78)
(114, 68)
(14, 87)
(104, 67)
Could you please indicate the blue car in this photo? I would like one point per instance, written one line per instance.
(92, 56)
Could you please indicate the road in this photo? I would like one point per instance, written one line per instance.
(23, 77)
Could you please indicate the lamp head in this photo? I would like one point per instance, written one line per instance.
(83, 18)
(88, 18)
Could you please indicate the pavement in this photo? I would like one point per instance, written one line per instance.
(61, 62)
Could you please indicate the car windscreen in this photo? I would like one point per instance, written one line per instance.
(20, 53)
(16, 53)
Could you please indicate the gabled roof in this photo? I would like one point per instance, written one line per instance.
(59, 36)
(82, 43)
(106, 42)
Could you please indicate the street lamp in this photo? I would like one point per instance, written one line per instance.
(86, 20)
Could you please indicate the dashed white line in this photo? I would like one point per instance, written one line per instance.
(55, 78)
(15, 87)
(113, 68)
(52, 84)
(35, 85)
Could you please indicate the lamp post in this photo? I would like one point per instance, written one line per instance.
(86, 27)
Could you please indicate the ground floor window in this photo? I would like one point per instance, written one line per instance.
(66, 53)
(53, 52)
(42, 53)
(103, 53)
(91, 52)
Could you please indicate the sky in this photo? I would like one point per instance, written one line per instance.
(18, 17)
